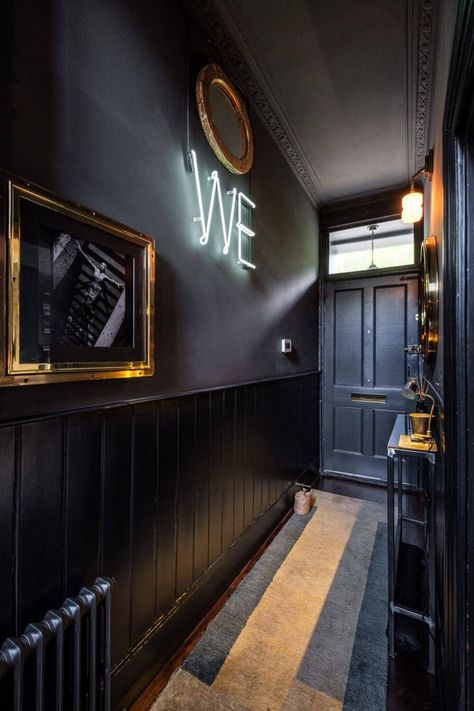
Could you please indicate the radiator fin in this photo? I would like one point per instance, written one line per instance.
(70, 652)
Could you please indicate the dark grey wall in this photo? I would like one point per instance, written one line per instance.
(94, 107)
(97, 96)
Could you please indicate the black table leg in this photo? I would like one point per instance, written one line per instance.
(391, 552)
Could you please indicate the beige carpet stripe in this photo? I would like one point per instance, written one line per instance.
(264, 661)
(184, 691)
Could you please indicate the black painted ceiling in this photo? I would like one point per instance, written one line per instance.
(346, 82)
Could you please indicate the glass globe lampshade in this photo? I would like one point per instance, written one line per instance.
(412, 207)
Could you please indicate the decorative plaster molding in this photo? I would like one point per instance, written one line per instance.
(423, 79)
(205, 12)
(209, 17)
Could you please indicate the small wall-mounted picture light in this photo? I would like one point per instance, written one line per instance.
(412, 202)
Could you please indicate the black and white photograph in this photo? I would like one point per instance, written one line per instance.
(89, 304)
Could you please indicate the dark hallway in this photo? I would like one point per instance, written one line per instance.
(234, 268)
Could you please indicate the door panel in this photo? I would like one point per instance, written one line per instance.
(390, 304)
(348, 325)
(368, 324)
(348, 429)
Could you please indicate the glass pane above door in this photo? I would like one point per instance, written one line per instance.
(371, 247)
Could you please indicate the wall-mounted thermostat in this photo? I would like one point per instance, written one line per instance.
(286, 345)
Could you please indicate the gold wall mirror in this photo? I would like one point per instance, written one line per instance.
(225, 119)
(429, 302)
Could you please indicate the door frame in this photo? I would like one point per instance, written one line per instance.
(458, 301)
(404, 274)
(382, 206)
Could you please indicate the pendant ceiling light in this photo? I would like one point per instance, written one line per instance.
(412, 202)
(372, 229)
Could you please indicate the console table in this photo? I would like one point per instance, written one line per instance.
(397, 453)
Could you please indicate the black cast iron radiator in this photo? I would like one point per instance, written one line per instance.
(63, 662)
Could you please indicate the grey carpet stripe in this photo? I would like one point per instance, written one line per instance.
(367, 682)
(324, 665)
(208, 656)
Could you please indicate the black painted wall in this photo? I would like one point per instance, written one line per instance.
(170, 496)
(153, 495)
(96, 97)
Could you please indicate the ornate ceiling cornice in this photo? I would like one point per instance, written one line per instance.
(213, 23)
(423, 79)
(205, 12)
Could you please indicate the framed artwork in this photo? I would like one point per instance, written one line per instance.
(78, 302)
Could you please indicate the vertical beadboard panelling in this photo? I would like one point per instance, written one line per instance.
(41, 534)
(201, 485)
(185, 496)
(150, 494)
(262, 444)
(273, 410)
(239, 450)
(216, 475)
(143, 543)
(247, 471)
(7, 521)
(228, 465)
(83, 501)
(166, 505)
(118, 521)
(254, 463)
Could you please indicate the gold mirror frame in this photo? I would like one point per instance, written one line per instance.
(429, 302)
(211, 76)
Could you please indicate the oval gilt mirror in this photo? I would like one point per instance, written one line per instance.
(429, 300)
(224, 119)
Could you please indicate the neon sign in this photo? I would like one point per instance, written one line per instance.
(227, 227)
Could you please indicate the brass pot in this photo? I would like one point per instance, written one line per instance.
(420, 423)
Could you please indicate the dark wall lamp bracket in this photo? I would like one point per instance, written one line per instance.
(427, 169)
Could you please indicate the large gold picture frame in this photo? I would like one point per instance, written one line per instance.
(78, 295)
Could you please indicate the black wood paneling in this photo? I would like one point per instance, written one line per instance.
(152, 494)
(40, 539)
(143, 543)
(201, 483)
(228, 465)
(185, 496)
(83, 500)
(117, 519)
(8, 563)
(216, 476)
(169, 434)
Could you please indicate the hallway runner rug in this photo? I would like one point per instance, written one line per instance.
(305, 629)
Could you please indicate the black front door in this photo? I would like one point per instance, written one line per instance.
(367, 325)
